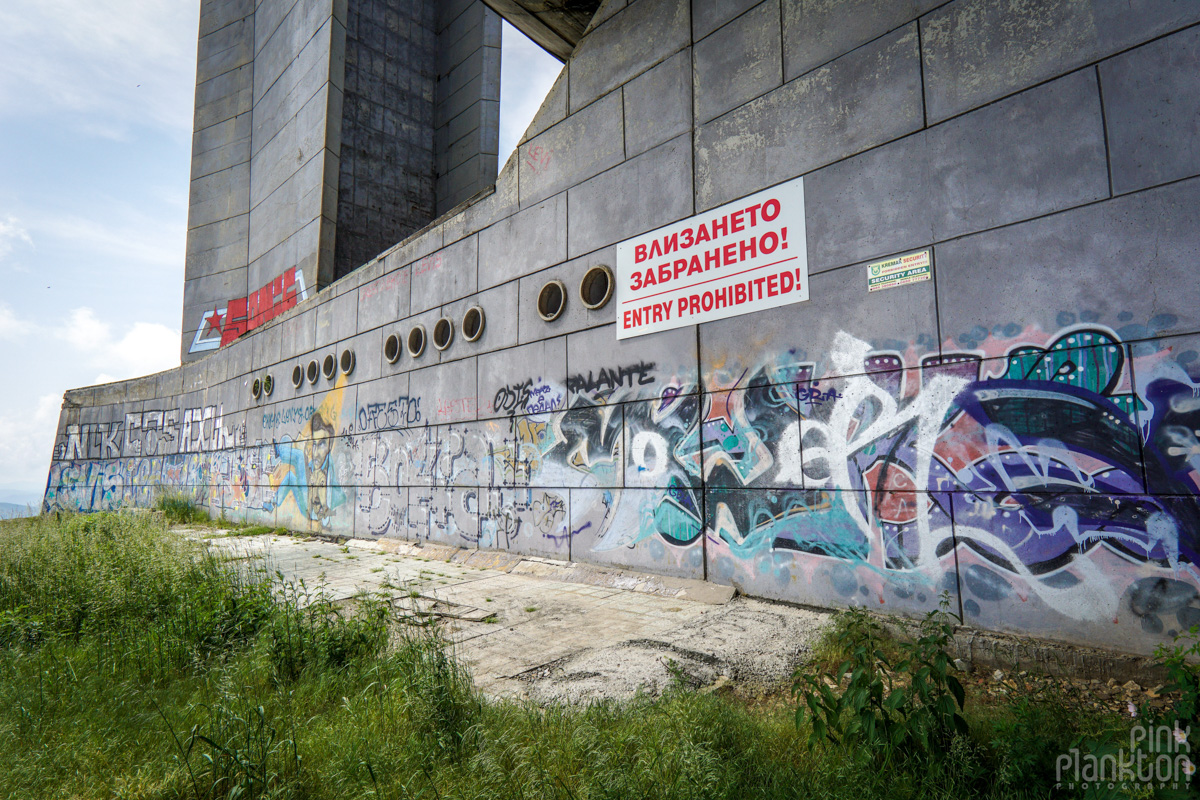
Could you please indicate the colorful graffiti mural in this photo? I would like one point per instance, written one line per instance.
(1034, 477)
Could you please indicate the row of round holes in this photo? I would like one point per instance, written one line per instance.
(443, 335)
(262, 387)
(328, 367)
(595, 290)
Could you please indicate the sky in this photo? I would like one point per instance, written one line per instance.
(96, 107)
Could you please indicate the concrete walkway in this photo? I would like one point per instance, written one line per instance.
(548, 630)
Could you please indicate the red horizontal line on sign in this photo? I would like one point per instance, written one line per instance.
(710, 280)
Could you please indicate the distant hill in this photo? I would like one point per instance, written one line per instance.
(11, 510)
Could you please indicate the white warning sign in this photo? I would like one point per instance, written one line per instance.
(746, 256)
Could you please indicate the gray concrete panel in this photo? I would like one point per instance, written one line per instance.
(609, 531)
(603, 369)
(307, 21)
(300, 332)
(450, 521)
(658, 104)
(840, 318)
(738, 62)
(1152, 107)
(221, 146)
(448, 392)
(212, 291)
(861, 100)
(216, 14)
(337, 320)
(415, 247)
(383, 300)
(657, 433)
(239, 357)
(1125, 260)
(576, 316)
(500, 323)
(709, 15)
(385, 404)
(225, 49)
(513, 381)
(619, 50)
(446, 275)
(641, 194)
(523, 243)
(817, 31)
(268, 346)
(1036, 153)
(296, 203)
(607, 10)
(978, 50)
(217, 247)
(219, 196)
(588, 142)
(307, 71)
(300, 138)
(224, 97)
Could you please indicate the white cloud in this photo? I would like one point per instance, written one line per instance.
(11, 328)
(144, 348)
(27, 441)
(115, 64)
(527, 73)
(12, 232)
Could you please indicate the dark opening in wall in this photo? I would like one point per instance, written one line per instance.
(472, 323)
(443, 333)
(552, 299)
(391, 349)
(416, 341)
(596, 287)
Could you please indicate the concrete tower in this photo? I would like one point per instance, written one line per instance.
(325, 131)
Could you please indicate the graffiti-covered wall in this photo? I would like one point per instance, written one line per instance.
(992, 390)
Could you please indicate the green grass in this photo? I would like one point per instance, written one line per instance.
(135, 665)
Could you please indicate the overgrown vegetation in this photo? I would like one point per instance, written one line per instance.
(133, 664)
(178, 509)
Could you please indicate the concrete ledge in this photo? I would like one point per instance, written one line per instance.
(549, 569)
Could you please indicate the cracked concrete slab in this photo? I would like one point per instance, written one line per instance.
(553, 631)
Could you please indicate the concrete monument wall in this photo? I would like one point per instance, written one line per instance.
(1021, 429)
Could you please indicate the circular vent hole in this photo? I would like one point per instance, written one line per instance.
(472, 323)
(268, 385)
(416, 341)
(297, 376)
(596, 287)
(443, 333)
(347, 362)
(391, 348)
(256, 389)
(551, 300)
(329, 366)
(314, 371)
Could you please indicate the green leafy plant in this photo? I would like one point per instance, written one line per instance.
(1182, 660)
(179, 509)
(874, 709)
